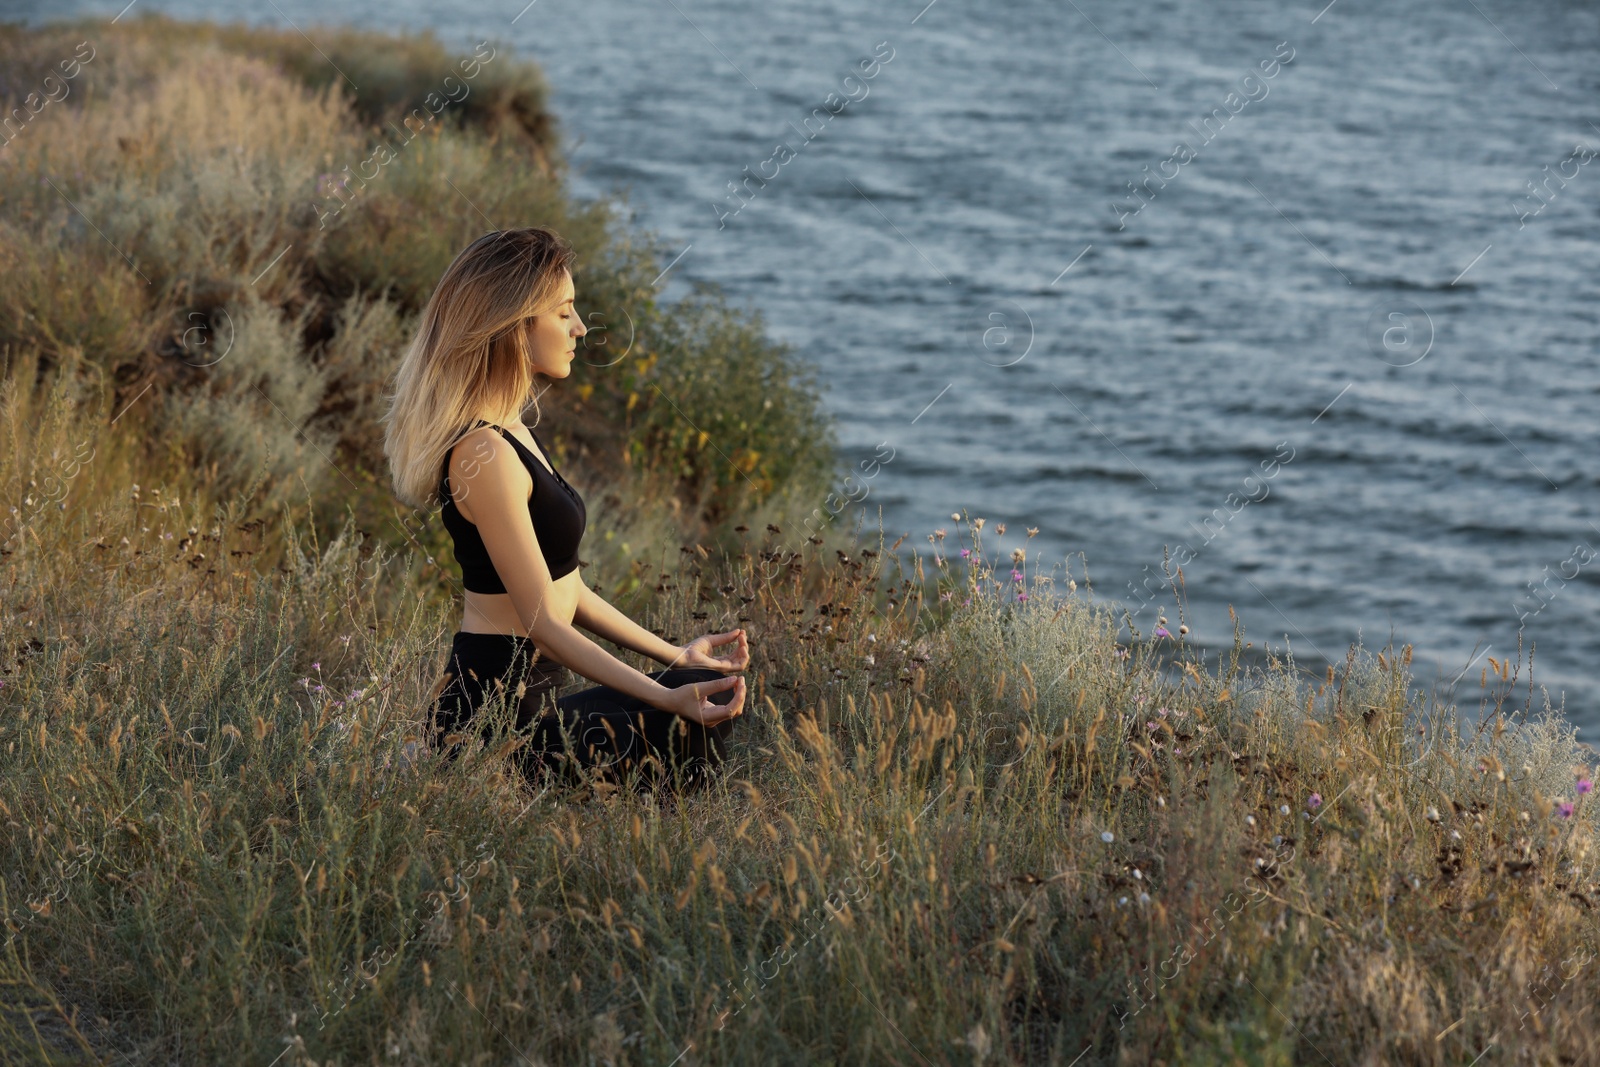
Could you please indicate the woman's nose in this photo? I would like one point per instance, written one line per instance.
(582, 329)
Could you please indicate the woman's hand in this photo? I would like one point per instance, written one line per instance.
(693, 701)
(697, 653)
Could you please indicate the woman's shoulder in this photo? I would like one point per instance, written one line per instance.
(485, 451)
(484, 448)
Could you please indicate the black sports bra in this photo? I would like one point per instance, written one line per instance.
(558, 521)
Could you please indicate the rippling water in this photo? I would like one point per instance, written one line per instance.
(1344, 277)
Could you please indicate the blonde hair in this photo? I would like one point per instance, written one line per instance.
(470, 357)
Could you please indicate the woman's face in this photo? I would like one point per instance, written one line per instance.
(553, 338)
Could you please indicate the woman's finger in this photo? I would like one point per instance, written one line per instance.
(733, 682)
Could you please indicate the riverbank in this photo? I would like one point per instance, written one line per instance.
(963, 822)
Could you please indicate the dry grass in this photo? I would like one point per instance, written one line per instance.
(209, 793)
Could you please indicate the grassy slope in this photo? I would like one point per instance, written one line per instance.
(204, 788)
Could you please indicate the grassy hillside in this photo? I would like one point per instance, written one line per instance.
(177, 221)
(961, 825)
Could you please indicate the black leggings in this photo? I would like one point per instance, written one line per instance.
(599, 728)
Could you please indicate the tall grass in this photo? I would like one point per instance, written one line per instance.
(974, 829)
(964, 821)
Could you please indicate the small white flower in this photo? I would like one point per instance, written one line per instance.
(1250, 820)
(1108, 837)
(955, 516)
(1283, 809)
(872, 639)
(1138, 874)
(1432, 814)
(1144, 898)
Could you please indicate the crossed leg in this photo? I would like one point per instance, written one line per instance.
(604, 729)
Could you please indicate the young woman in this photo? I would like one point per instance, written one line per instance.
(503, 313)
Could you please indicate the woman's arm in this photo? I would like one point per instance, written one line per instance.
(598, 617)
(601, 618)
(500, 487)
(500, 490)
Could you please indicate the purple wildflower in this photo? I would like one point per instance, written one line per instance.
(1314, 801)
(1022, 596)
(1162, 631)
(1584, 785)
(1565, 809)
(317, 666)
(966, 553)
(1016, 575)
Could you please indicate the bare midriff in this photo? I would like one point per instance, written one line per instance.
(493, 613)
